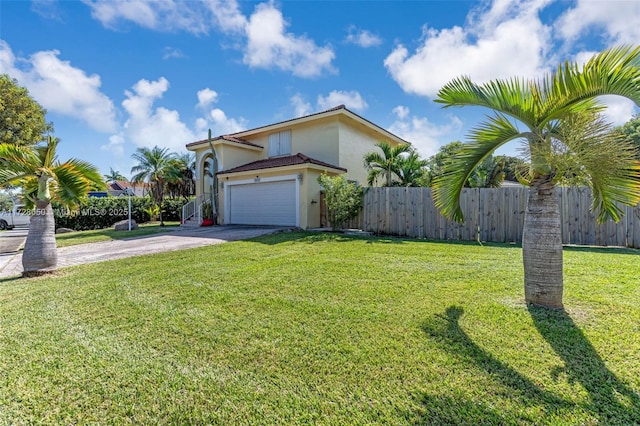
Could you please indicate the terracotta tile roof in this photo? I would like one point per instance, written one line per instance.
(289, 160)
(229, 138)
(119, 185)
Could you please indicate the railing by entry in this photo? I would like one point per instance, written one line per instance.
(193, 209)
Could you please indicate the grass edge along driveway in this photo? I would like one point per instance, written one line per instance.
(298, 328)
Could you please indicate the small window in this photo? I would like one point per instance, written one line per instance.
(280, 143)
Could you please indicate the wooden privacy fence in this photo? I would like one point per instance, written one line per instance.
(495, 215)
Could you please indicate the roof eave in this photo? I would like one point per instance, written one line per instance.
(194, 146)
(291, 167)
(323, 114)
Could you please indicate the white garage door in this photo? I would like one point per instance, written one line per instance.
(265, 203)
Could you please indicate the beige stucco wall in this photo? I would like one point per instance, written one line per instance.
(355, 141)
(233, 156)
(317, 139)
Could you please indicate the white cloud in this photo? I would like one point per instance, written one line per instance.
(351, 99)
(269, 46)
(47, 9)
(60, 87)
(224, 125)
(165, 15)
(619, 110)
(148, 126)
(227, 15)
(265, 42)
(206, 97)
(401, 112)
(619, 20)
(423, 135)
(362, 38)
(300, 106)
(172, 52)
(115, 145)
(505, 41)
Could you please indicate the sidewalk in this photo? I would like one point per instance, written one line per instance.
(11, 263)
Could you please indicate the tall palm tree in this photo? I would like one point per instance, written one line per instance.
(557, 115)
(384, 165)
(154, 166)
(44, 178)
(114, 175)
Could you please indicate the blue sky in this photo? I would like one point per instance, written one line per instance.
(118, 75)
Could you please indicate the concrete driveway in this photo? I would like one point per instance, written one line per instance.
(180, 239)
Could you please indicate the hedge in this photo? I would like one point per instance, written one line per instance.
(99, 213)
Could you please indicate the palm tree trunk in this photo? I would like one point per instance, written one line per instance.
(40, 253)
(542, 246)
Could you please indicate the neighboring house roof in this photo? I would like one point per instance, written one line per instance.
(117, 187)
(120, 185)
(289, 160)
(339, 110)
(227, 138)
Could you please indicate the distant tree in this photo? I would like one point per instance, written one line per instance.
(631, 130)
(489, 174)
(436, 162)
(154, 166)
(43, 179)
(181, 176)
(114, 176)
(384, 165)
(411, 171)
(22, 119)
(513, 167)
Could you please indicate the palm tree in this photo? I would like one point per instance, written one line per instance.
(411, 171)
(558, 115)
(43, 178)
(154, 166)
(114, 175)
(490, 173)
(384, 165)
(181, 176)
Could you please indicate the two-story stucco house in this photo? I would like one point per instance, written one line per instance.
(269, 175)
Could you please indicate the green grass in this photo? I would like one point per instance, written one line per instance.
(101, 235)
(299, 328)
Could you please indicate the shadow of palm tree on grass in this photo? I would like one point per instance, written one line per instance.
(445, 330)
(613, 401)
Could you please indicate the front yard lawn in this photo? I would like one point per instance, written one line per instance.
(109, 234)
(298, 328)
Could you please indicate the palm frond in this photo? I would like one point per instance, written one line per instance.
(485, 139)
(615, 71)
(606, 158)
(73, 179)
(514, 97)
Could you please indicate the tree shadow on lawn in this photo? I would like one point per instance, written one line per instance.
(445, 331)
(582, 364)
(612, 400)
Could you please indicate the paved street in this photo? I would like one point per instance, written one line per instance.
(11, 241)
(183, 238)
